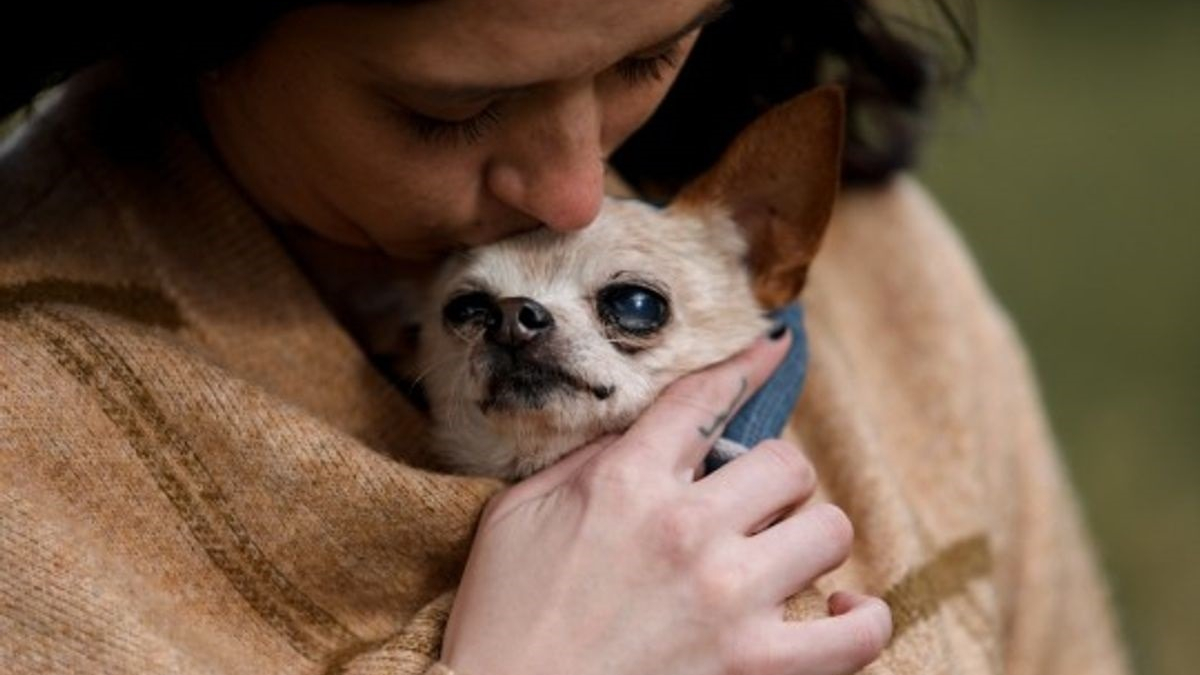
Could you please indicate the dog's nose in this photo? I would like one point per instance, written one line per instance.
(519, 321)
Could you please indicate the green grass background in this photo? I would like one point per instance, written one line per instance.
(1072, 166)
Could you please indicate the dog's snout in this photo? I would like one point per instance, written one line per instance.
(519, 321)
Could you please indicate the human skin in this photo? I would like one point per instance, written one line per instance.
(329, 122)
(616, 560)
(414, 130)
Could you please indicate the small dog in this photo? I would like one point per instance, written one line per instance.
(535, 345)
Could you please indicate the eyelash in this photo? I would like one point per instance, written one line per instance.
(469, 130)
(637, 70)
(634, 70)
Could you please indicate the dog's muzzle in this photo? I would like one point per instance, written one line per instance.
(517, 380)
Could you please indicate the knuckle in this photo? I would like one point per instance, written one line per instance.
(618, 487)
(720, 584)
(701, 511)
(834, 524)
(881, 614)
(608, 475)
(869, 634)
(790, 462)
(679, 533)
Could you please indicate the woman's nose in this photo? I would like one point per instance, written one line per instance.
(553, 170)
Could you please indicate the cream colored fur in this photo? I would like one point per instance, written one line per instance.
(737, 239)
(694, 256)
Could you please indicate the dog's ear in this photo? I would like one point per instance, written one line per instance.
(779, 180)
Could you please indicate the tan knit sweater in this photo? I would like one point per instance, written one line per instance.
(200, 472)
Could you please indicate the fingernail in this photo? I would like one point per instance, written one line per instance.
(778, 331)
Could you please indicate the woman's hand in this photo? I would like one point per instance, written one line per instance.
(616, 561)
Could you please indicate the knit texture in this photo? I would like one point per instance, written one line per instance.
(201, 473)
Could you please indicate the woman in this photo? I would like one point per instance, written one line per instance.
(203, 473)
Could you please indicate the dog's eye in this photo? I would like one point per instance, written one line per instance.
(475, 307)
(634, 309)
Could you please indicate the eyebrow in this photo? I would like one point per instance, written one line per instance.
(470, 93)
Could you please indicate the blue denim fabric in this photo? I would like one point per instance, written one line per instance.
(766, 413)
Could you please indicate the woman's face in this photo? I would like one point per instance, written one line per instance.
(424, 127)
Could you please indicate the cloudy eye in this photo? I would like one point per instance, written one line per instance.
(474, 307)
(634, 309)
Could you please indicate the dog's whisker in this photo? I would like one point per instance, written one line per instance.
(458, 381)
(459, 411)
(430, 368)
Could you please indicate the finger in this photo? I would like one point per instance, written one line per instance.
(837, 645)
(758, 486)
(843, 601)
(791, 554)
(550, 478)
(679, 428)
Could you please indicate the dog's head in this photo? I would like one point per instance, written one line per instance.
(534, 345)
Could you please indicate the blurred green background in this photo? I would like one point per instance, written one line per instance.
(1072, 167)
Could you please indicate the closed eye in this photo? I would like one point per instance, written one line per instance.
(467, 130)
(639, 69)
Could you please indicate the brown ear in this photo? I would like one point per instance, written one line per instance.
(778, 180)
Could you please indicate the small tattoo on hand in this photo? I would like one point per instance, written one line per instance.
(719, 420)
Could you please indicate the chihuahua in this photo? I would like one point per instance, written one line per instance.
(534, 345)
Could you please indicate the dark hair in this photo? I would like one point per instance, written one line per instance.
(766, 51)
(761, 53)
(168, 43)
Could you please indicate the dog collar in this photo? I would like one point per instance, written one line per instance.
(766, 413)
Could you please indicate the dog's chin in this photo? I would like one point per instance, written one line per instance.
(537, 413)
(520, 386)
(521, 396)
